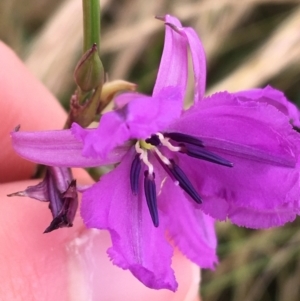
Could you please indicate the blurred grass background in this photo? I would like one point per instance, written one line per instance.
(249, 43)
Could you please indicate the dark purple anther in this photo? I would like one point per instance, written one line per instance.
(153, 140)
(135, 174)
(184, 182)
(150, 193)
(203, 154)
(297, 129)
(183, 138)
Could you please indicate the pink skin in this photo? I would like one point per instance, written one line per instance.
(68, 264)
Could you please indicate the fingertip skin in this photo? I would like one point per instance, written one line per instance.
(70, 263)
(23, 101)
(33, 265)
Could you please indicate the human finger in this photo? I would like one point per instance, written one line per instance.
(71, 263)
(23, 101)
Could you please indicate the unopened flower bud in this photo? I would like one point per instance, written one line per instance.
(89, 72)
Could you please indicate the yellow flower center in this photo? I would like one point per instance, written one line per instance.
(145, 145)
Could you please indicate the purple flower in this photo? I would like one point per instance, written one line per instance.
(59, 189)
(229, 156)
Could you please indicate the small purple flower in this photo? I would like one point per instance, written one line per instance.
(59, 189)
(229, 156)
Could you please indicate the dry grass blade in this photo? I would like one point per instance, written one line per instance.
(290, 286)
(214, 25)
(217, 24)
(53, 52)
(278, 260)
(127, 56)
(280, 51)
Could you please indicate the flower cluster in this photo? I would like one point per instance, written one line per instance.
(231, 155)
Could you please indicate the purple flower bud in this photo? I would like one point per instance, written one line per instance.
(59, 189)
(68, 203)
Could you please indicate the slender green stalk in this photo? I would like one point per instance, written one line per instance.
(91, 24)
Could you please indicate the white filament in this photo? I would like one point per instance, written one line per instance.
(165, 141)
(144, 157)
(162, 157)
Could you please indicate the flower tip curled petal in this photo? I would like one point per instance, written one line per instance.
(199, 63)
(170, 20)
(177, 40)
(173, 69)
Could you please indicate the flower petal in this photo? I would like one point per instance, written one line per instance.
(110, 204)
(138, 119)
(192, 231)
(260, 143)
(56, 148)
(248, 129)
(173, 67)
(264, 218)
(101, 143)
(275, 98)
(148, 115)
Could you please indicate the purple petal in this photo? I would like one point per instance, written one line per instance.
(63, 207)
(110, 204)
(148, 115)
(275, 98)
(99, 143)
(173, 69)
(57, 148)
(260, 143)
(174, 65)
(59, 189)
(138, 119)
(192, 231)
(251, 218)
(247, 129)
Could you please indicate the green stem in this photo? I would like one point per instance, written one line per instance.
(91, 24)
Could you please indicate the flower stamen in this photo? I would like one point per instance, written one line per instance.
(149, 176)
(194, 147)
(151, 197)
(165, 141)
(199, 152)
(144, 157)
(184, 182)
(183, 138)
(164, 159)
(135, 170)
